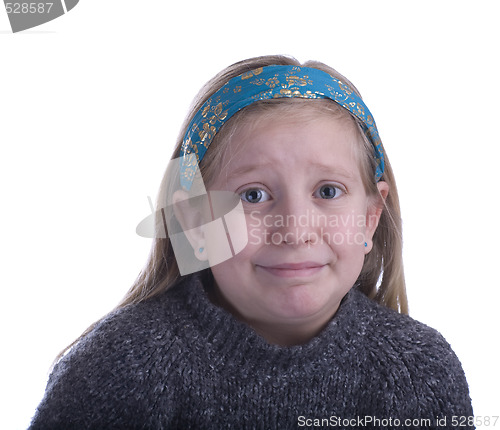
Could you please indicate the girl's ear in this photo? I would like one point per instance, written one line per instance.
(373, 214)
(190, 218)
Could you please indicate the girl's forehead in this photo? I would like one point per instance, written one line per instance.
(278, 141)
(292, 110)
(278, 122)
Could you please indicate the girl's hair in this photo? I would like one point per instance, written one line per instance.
(382, 276)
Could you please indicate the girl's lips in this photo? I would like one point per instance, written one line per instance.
(293, 270)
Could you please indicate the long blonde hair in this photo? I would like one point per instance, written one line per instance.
(382, 275)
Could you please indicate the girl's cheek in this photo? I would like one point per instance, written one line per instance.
(344, 238)
(255, 227)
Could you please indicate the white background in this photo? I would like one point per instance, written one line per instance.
(91, 103)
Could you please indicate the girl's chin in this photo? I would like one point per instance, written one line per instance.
(301, 302)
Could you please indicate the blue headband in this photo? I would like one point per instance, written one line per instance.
(269, 83)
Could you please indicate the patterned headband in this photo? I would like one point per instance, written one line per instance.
(263, 84)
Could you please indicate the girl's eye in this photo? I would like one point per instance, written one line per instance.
(254, 195)
(329, 191)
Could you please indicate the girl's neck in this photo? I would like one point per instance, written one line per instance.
(285, 334)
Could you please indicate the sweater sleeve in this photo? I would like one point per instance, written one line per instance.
(443, 384)
(419, 376)
(436, 377)
(110, 380)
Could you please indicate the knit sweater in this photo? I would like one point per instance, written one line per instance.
(177, 361)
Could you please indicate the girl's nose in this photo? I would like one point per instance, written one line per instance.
(293, 222)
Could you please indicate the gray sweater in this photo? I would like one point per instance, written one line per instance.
(179, 362)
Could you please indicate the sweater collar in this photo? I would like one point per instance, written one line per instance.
(222, 331)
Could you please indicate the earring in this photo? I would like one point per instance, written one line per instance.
(366, 244)
(200, 253)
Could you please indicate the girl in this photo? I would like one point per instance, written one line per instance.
(282, 309)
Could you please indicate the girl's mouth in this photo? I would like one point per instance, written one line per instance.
(293, 270)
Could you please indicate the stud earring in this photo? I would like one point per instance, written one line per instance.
(366, 244)
(199, 252)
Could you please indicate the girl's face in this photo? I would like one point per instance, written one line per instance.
(308, 218)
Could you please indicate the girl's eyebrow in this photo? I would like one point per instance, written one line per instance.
(332, 170)
(249, 168)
